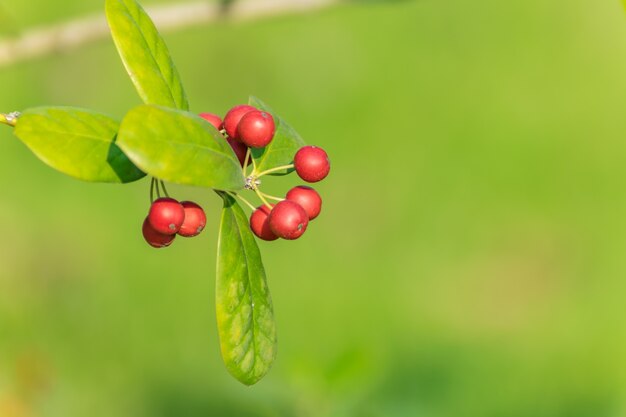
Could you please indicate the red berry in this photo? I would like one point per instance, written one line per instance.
(260, 225)
(166, 216)
(256, 129)
(214, 119)
(240, 150)
(234, 115)
(195, 220)
(288, 220)
(311, 163)
(308, 198)
(154, 238)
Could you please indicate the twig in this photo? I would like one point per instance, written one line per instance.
(70, 35)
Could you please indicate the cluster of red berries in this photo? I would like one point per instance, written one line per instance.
(289, 218)
(246, 127)
(168, 218)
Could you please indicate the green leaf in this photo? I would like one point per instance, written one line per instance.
(283, 147)
(79, 143)
(179, 147)
(145, 55)
(245, 317)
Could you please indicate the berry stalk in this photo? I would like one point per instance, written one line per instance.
(269, 171)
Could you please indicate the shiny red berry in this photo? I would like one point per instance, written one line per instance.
(214, 119)
(154, 238)
(166, 216)
(308, 198)
(195, 219)
(260, 225)
(233, 117)
(288, 220)
(240, 150)
(256, 129)
(311, 163)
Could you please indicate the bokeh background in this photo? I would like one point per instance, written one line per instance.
(470, 259)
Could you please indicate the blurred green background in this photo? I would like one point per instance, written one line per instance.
(470, 259)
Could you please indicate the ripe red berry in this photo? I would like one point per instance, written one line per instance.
(288, 220)
(308, 198)
(234, 115)
(154, 238)
(240, 150)
(256, 129)
(214, 119)
(195, 219)
(260, 225)
(311, 163)
(166, 216)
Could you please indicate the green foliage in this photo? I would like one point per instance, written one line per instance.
(179, 147)
(145, 55)
(245, 315)
(163, 139)
(283, 147)
(80, 143)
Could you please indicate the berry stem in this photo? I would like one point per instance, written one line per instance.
(158, 189)
(245, 163)
(271, 197)
(244, 200)
(164, 189)
(260, 195)
(269, 171)
(152, 190)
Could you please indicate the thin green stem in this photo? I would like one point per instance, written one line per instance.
(244, 200)
(245, 163)
(260, 195)
(271, 197)
(165, 189)
(152, 190)
(158, 189)
(269, 171)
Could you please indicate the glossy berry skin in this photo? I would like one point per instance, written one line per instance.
(166, 216)
(154, 238)
(233, 117)
(260, 225)
(240, 150)
(214, 119)
(256, 129)
(308, 198)
(288, 220)
(195, 219)
(311, 163)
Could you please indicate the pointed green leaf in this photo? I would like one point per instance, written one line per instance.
(80, 143)
(283, 147)
(179, 147)
(145, 55)
(245, 317)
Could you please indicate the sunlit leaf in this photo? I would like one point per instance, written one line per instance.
(179, 147)
(80, 143)
(245, 315)
(145, 55)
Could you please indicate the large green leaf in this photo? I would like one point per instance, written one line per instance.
(245, 318)
(145, 55)
(179, 147)
(80, 143)
(283, 147)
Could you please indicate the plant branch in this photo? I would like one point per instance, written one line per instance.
(67, 36)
